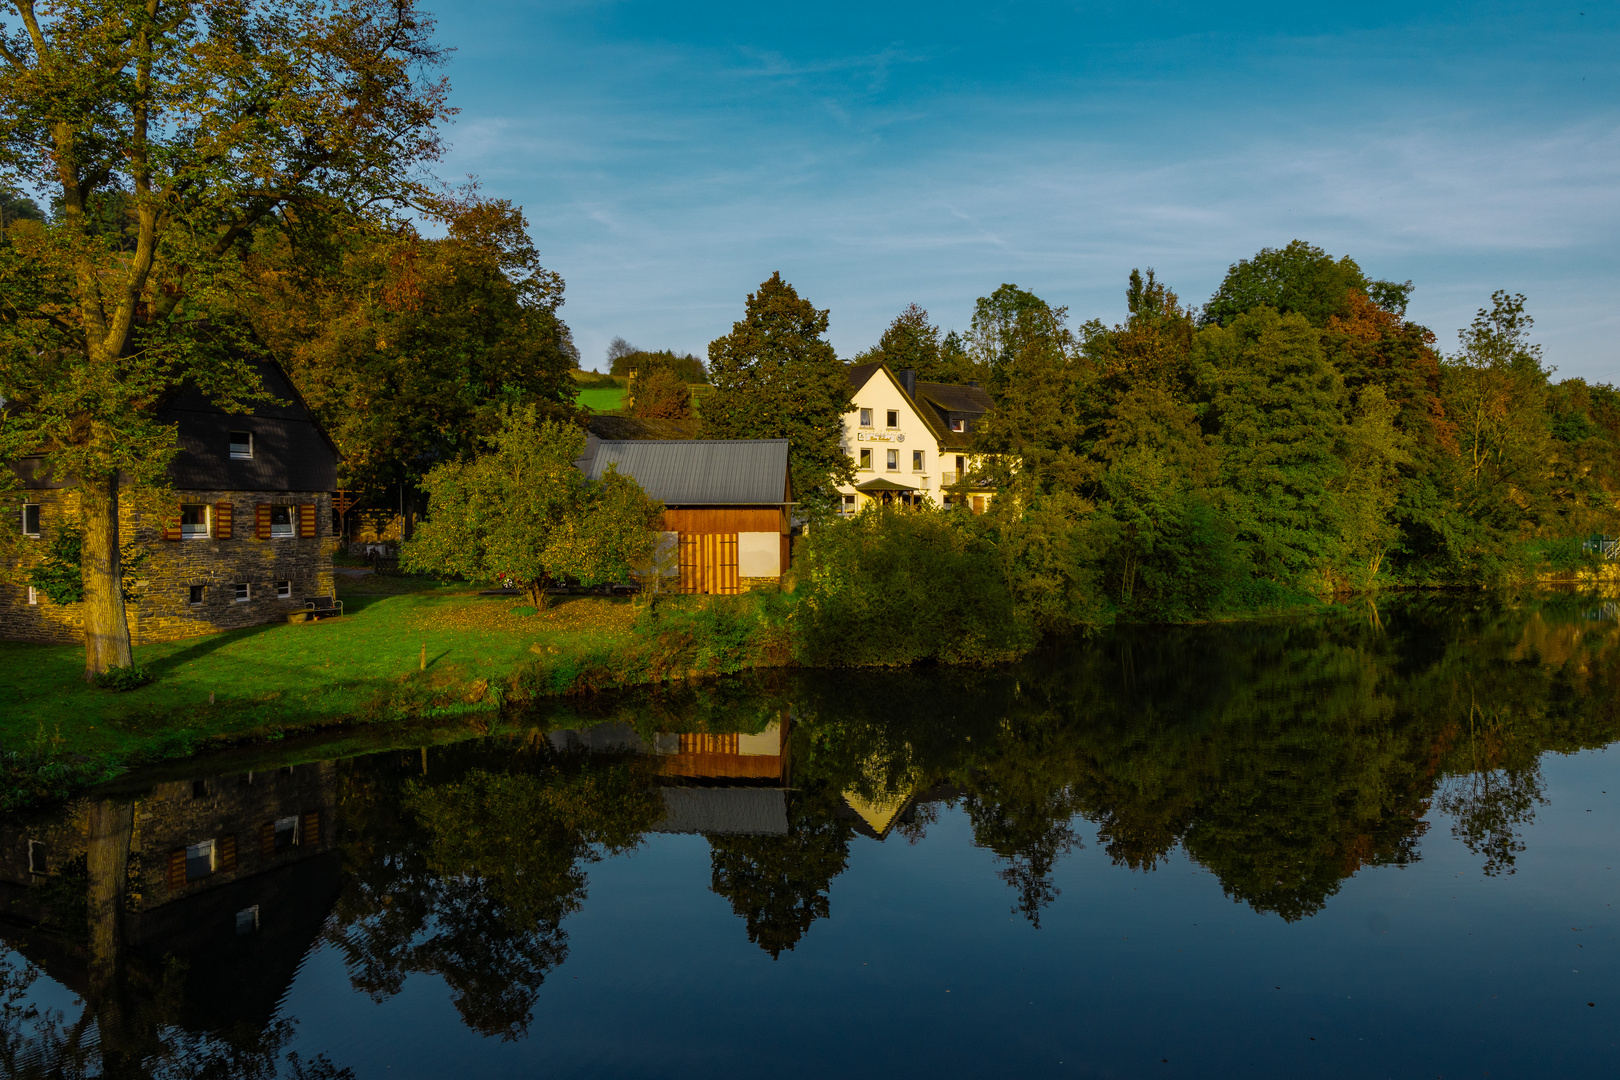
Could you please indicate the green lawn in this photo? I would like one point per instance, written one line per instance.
(268, 680)
(602, 399)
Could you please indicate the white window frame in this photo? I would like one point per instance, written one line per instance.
(864, 461)
(38, 514)
(919, 461)
(848, 504)
(283, 590)
(244, 592)
(207, 522)
(232, 444)
(38, 857)
(893, 418)
(866, 418)
(247, 921)
(199, 850)
(958, 425)
(279, 531)
(33, 596)
(891, 461)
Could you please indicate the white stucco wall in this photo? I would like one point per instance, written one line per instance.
(759, 554)
(880, 394)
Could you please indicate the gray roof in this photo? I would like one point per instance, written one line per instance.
(701, 472)
(734, 811)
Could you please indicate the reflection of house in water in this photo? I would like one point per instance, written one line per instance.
(729, 784)
(232, 875)
(876, 816)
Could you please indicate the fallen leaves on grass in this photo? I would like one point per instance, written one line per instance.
(596, 613)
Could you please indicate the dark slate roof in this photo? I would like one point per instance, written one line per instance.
(701, 472)
(730, 811)
(290, 451)
(956, 397)
(860, 373)
(937, 403)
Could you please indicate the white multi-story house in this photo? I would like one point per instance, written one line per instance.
(910, 439)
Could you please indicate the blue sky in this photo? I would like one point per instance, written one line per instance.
(670, 157)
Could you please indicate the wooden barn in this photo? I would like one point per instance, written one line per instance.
(726, 503)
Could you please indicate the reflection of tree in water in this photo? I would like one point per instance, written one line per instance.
(138, 1038)
(1487, 807)
(471, 876)
(779, 885)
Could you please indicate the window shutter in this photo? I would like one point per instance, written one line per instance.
(171, 526)
(261, 521)
(223, 513)
(267, 840)
(306, 520)
(177, 869)
(227, 853)
(311, 833)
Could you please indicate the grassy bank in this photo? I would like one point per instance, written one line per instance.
(406, 650)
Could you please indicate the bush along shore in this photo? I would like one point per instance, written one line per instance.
(886, 588)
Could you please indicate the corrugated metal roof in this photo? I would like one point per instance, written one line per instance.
(701, 472)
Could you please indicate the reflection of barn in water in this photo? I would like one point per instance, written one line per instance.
(231, 875)
(730, 783)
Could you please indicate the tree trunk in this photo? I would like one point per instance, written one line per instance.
(106, 627)
(537, 593)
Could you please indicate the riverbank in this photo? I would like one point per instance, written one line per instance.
(406, 650)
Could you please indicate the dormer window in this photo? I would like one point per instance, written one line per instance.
(958, 425)
(241, 444)
(866, 418)
(894, 418)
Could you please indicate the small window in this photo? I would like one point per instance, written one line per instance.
(894, 460)
(241, 444)
(281, 521)
(961, 464)
(247, 920)
(916, 461)
(866, 418)
(30, 520)
(194, 595)
(849, 504)
(244, 592)
(958, 425)
(194, 522)
(199, 860)
(36, 858)
(33, 595)
(894, 417)
(866, 459)
(199, 789)
(286, 834)
(283, 590)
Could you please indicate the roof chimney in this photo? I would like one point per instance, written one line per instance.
(908, 379)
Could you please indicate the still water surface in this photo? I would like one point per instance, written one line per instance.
(1373, 843)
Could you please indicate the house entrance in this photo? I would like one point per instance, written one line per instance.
(709, 563)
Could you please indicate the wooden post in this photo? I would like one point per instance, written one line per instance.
(424, 657)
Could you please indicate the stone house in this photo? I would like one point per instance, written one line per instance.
(243, 540)
(910, 439)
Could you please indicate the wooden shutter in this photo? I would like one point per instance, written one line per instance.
(171, 526)
(310, 834)
(691, 564)
(223, 513)
(227, 853)
(177, 869)
(306, 520)
(261, 521)
(725, 558)
(267, 840)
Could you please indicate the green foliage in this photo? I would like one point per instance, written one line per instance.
(522, 513)
(59, 575)
(685, 366)
(660, 394)
(119, 679)
(894, 586)
(1298, 279)
(776, 377)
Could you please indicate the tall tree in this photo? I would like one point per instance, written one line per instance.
(1299, 278)
(776, 377)
(165, 131)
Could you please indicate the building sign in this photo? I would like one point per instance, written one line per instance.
(872, 436)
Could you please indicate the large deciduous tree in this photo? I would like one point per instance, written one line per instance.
(776, 377)
(164, 132)
(521, 513)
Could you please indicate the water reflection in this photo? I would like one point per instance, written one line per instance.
(1283, 757)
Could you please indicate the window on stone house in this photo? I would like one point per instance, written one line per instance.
(30, 520)
(866, 459)
(33, 595)
(194, 594)
(286, 833)
(916, 461)
(241, 444)
(244, 592)
(893, 461)
(36, 858)
(866, 418)
(958, 425)
(281, 521)
(247, 920)
(894, 417)
(199, 860)
(193, 522)
(283, 590)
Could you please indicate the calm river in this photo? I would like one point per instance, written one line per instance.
(1376, 843)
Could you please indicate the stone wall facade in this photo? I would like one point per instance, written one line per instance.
(175, 572)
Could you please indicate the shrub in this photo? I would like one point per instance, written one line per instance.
(119, 679)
